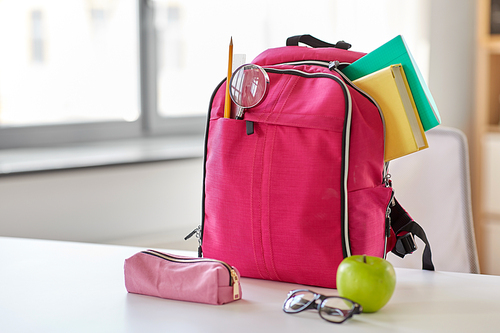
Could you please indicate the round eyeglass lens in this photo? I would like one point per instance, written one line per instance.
(298, 301)
(248, 85)
(336, 309)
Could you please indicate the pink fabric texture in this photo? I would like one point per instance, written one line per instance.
(297, 53)
(273, 198)
(192, 280)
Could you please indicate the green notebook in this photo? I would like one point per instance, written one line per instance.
(394, 52)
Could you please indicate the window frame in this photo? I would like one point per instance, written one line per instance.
(153, 123)
(149, 122)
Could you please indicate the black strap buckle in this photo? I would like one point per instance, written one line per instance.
(405, 245)
(343, 45)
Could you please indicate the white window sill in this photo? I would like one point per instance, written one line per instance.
(84, 155)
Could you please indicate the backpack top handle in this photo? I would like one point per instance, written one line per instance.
(315, 42)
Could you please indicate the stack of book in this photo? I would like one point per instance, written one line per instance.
(390, 75)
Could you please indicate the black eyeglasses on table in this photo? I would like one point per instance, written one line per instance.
(334, 309)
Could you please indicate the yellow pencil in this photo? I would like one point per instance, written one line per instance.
(227, 104)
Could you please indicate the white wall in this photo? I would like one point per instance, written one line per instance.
(451, 66)
(136, 204)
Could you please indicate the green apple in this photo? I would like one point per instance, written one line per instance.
(369, 281)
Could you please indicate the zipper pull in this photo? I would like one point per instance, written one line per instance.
(192, 233)
(387, 180)
(236, 285)
(197, 232)
(388, 221)
(240, 113)
(387, 175)
(333, 65)
(388, 212)
(337, 66)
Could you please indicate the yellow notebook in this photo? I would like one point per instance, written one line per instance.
(404, 133)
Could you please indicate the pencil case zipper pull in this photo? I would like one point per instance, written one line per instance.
(233, 276)
(236, 285)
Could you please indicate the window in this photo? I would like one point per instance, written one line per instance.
(170, 60)
(78, 70)
(37, 45)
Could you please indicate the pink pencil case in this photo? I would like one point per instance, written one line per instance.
(182, 278)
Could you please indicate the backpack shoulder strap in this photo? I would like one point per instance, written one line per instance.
(405, 228)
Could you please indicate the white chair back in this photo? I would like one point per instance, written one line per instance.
(433, 185)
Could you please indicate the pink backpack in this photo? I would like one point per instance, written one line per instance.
(300, 183)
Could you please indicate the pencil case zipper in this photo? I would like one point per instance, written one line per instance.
(233, 276)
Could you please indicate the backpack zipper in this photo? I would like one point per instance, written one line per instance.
(334, 66)
(197, 232)
(388, 221)
(233, 276)
(308, 62)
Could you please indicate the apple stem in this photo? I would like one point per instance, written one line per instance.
(364, 259)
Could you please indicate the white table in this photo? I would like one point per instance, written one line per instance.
(52, 286)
